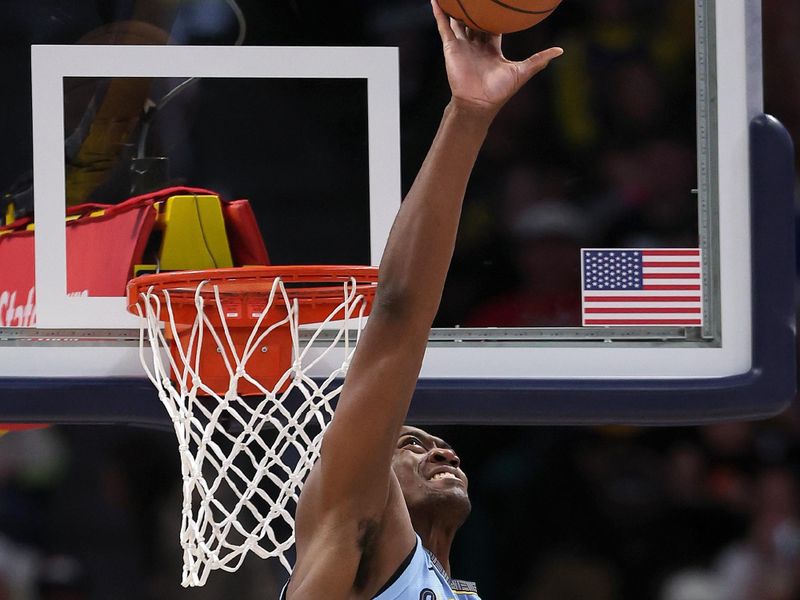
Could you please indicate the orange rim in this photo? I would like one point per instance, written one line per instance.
(317, 288)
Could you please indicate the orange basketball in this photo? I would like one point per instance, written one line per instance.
(499, 16)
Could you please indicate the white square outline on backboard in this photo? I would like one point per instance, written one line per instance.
(51, 64)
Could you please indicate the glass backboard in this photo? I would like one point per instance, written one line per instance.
(642, 149)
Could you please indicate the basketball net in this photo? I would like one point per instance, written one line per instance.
(243, 458)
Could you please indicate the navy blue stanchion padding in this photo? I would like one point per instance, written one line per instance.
(763, 391)
(70, 400)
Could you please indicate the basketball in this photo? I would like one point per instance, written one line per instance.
(499, 16)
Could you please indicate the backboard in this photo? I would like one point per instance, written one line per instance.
(507, 348)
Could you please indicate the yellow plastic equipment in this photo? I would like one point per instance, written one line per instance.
(193, 235)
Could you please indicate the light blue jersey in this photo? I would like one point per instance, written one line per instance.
(424, 579)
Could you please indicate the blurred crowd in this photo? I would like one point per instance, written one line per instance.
(559, 513)
(600, 152)
(707, 513)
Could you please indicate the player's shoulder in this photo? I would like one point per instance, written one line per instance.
(424, 579)
(464, 590)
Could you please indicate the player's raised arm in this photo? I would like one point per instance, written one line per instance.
(384, 371)
(348, 494)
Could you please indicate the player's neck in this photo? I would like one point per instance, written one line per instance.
(437, 537)
(437, 520)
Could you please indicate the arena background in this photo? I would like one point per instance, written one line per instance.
(559, 513)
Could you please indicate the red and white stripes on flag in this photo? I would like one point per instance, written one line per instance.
(647, 287)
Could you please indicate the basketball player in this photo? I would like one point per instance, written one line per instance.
(379, 511)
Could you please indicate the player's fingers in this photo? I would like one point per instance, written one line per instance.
(459, 29)
(483, 37)
(539, 61)
(496, 41)
(442, 23)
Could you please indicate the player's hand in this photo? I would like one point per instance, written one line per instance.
(480, 77)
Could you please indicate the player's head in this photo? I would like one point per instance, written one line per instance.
(430, 476)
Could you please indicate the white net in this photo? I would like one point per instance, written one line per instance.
(244, 458)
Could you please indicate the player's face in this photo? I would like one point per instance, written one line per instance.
(428, 469)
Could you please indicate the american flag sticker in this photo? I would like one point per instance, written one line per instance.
(642, 287)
